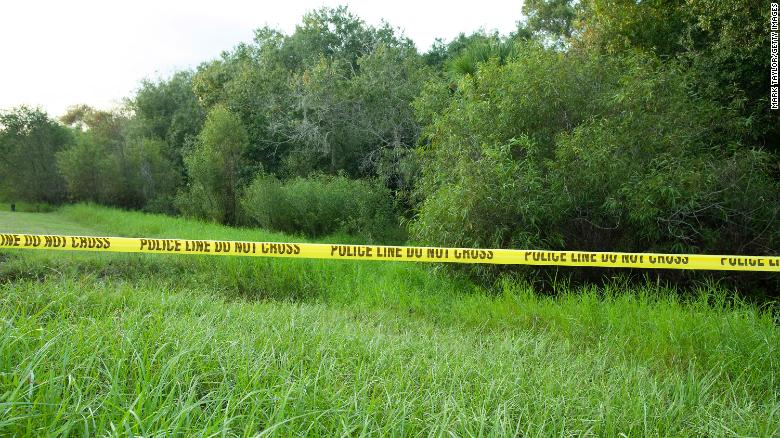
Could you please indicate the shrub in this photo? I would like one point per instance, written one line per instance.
(534, 155)
(626, 189)
(484, 179)
(321, 205)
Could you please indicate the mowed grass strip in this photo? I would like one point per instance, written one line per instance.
(146, 344)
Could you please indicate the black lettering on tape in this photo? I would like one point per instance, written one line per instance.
(10, 240)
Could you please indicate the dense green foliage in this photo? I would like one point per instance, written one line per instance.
(29, 142)
(598, 124)
(110, 165)
(595, 154)
(168, 111)
(214, 168)
(722, 43)
(321, 205)
(333, 96)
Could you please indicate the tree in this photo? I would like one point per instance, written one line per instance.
(723, 43)
(390, 78)
(442, 53)
(111, 163)
(154, 178)
(89, 170)
(726, 44)
(253, 82)
(167, 110)
(553, 20)
(480, 52)
(96, 168)
(614, 26)
(29, 142)
(297, 95)
(213, 168)
(326, 113)
(336, 34)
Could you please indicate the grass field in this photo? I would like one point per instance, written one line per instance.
(127, 344)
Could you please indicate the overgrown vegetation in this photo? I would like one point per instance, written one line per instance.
(117, 344)
(629, 162)
(597, 125)
(631, 126)
(321, 205)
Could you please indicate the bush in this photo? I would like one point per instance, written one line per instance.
(484, 179)
(321, 205)
(628, 190)
(643, 165)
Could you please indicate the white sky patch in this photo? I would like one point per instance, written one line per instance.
(54, 54)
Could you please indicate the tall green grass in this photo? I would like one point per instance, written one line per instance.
(154, 344)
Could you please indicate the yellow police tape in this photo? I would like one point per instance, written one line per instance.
(392, 253)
